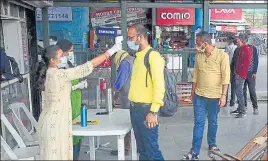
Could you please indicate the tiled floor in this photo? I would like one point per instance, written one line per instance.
(175, 134)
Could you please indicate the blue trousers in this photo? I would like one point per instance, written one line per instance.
(205, 108)
(146, 139)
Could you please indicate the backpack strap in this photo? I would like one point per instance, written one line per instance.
(147, 65)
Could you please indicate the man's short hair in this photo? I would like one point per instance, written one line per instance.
(142, 30)
(204, 37)
(243, 37)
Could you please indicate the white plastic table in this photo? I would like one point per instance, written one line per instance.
(116, 123)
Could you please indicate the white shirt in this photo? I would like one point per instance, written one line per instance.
(230, 51)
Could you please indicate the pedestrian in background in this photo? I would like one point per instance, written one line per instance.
(230, 50)
(124, 63)
(250, 81)
(209, 90)
(242, 62)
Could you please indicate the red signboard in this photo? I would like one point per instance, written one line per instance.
(232, 29)
(226, 14)
(175, 16)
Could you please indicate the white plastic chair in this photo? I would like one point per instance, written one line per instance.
(29, 153)
(29, 136)
(20, 152)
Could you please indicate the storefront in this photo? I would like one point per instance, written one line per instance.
(106, 26)
(174, 24)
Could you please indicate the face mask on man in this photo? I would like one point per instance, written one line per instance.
(201, 49)
(63, 63)
(133, 46)
(71, 57)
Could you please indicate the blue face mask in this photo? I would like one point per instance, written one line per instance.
(63, 63)
(133, 46)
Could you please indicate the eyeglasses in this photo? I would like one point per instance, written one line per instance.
(131, 37)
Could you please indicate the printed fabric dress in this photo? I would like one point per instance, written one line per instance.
(55, 123)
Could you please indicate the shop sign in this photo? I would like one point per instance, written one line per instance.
(175, 16)
(218, 14)
(56, 14)
(113, 16)
(212, 29)
(100, 31)
(232, 29)
(257, 30)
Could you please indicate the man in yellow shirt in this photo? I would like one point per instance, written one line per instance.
(146, 94)
(210, 83)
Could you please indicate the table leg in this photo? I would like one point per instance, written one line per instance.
(121, 147)
(134, 155)
(92, 148)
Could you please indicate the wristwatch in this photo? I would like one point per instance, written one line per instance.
(154, 113)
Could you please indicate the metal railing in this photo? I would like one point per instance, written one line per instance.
(179, 62)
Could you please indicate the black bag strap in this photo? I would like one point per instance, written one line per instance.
(147, 65)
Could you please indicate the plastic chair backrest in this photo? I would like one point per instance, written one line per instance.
(7, 150)
(16, 109)
(12, 131)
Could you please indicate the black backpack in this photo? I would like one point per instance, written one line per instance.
(9, 68)
(171, 103)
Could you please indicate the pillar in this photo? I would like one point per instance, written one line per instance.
(45, 22)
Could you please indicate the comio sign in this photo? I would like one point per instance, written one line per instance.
(175, 16)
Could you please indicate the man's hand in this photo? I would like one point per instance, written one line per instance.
(222, 101)
(254, 76)
(192, 96)
(151, 120)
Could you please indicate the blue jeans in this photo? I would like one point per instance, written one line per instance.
(205, 108)
(146, 139)
(76, 150)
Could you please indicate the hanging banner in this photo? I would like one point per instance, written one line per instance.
(219, 14)
(56, 14)
(101, 31)
(175, 16)
(113, 16)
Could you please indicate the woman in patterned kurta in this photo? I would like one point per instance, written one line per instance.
(55, 123)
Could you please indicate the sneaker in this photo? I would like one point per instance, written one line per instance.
(190, 156)
(115, 152)
(213, 149)
(241, 115)
(234, 112)
(255, 111)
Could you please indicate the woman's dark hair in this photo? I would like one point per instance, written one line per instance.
(65, 45)
(41, 67)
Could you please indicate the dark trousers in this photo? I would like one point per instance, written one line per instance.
(239, 84)
(251, 84)
(76, 150)
(146, 139)
(205, 108)
(232, 84)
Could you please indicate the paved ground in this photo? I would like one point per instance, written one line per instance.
(175, 134)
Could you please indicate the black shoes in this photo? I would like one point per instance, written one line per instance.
(234, 112)
(241, 115)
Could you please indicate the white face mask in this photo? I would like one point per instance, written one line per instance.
(71, 57)
(63, 63)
